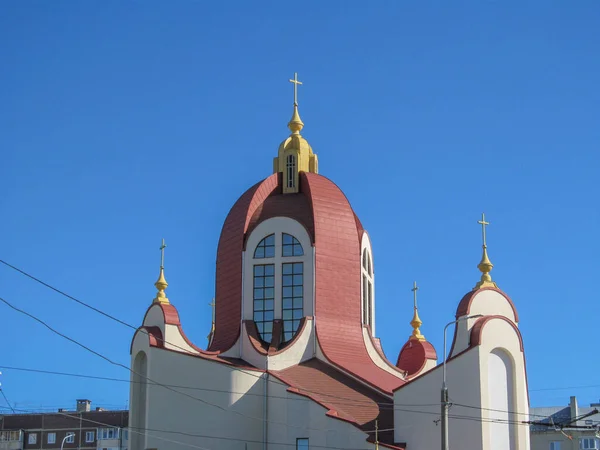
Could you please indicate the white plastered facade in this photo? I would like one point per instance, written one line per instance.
(480, 378)
(221, 407)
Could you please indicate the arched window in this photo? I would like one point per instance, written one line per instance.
(289, 265)
(264, 300)
(367, 289)
(291, 246)
(265, 248)
(291, 170)
(292, 296)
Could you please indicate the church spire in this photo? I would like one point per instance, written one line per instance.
(416, 320)
(485, 265)
(295, 124)
(295, 154)
(161, 284)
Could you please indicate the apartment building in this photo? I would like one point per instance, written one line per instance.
(569, 427)
(81, 429)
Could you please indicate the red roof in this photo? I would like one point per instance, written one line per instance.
(345, 398)
(336, 232)
(414, 355)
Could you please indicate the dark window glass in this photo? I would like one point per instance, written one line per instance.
(291, 170)
(264, 296)
(292, 294)
(265, 248)
(291, 246)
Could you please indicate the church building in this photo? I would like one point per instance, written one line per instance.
(293, 360)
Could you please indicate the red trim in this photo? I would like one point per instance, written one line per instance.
(477, 330)
(464, 307)
(379, 351)
(155, 337)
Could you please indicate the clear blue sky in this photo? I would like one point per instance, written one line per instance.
(125, 122)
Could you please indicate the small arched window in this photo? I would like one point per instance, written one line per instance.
(367, 289)
(291, 246)
(291, 170)
(265, 248)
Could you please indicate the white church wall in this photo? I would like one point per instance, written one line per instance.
(501, 351)
(485, 302)
(228, 404)
(376, 357)
(417, 406)
(302, 349)
(277, 225)
(174, 340)
(488, 303)
(294, 417)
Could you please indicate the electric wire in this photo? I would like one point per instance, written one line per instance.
(142, 330)
(82, 303)
(74, 416)
(342, 400)
(147, 378)
(6, 400)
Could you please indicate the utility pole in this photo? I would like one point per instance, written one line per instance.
(444, 398)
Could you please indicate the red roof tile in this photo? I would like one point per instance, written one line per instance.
(414, 355)
(346, 398)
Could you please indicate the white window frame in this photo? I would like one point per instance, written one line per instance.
(51, 438)
(108, 433)
(368, 276)
(32, 438)
(87, 436)
(277, 226)
(589, 440)
(70, 437)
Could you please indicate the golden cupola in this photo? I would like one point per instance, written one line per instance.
(295, 154)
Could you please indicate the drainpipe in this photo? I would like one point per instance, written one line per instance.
(266, 405)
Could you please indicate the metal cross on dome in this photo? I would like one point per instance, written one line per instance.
(483, 224)
(162, 254)
(414, 290)
(296, 83)
(212, 305)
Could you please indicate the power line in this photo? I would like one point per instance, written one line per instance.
(145, 377)
(353, 401)
(225, 391)
(142, 330)
(6, 400)
(183, 433)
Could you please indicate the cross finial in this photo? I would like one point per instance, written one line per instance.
(296, 83)
(162, 254)
(416, 320)
(212, 305)
(485, 265)
(483, 224)
(414, 290)
(161, 284)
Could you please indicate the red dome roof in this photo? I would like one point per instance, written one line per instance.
(414, 355)
(323, 209)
